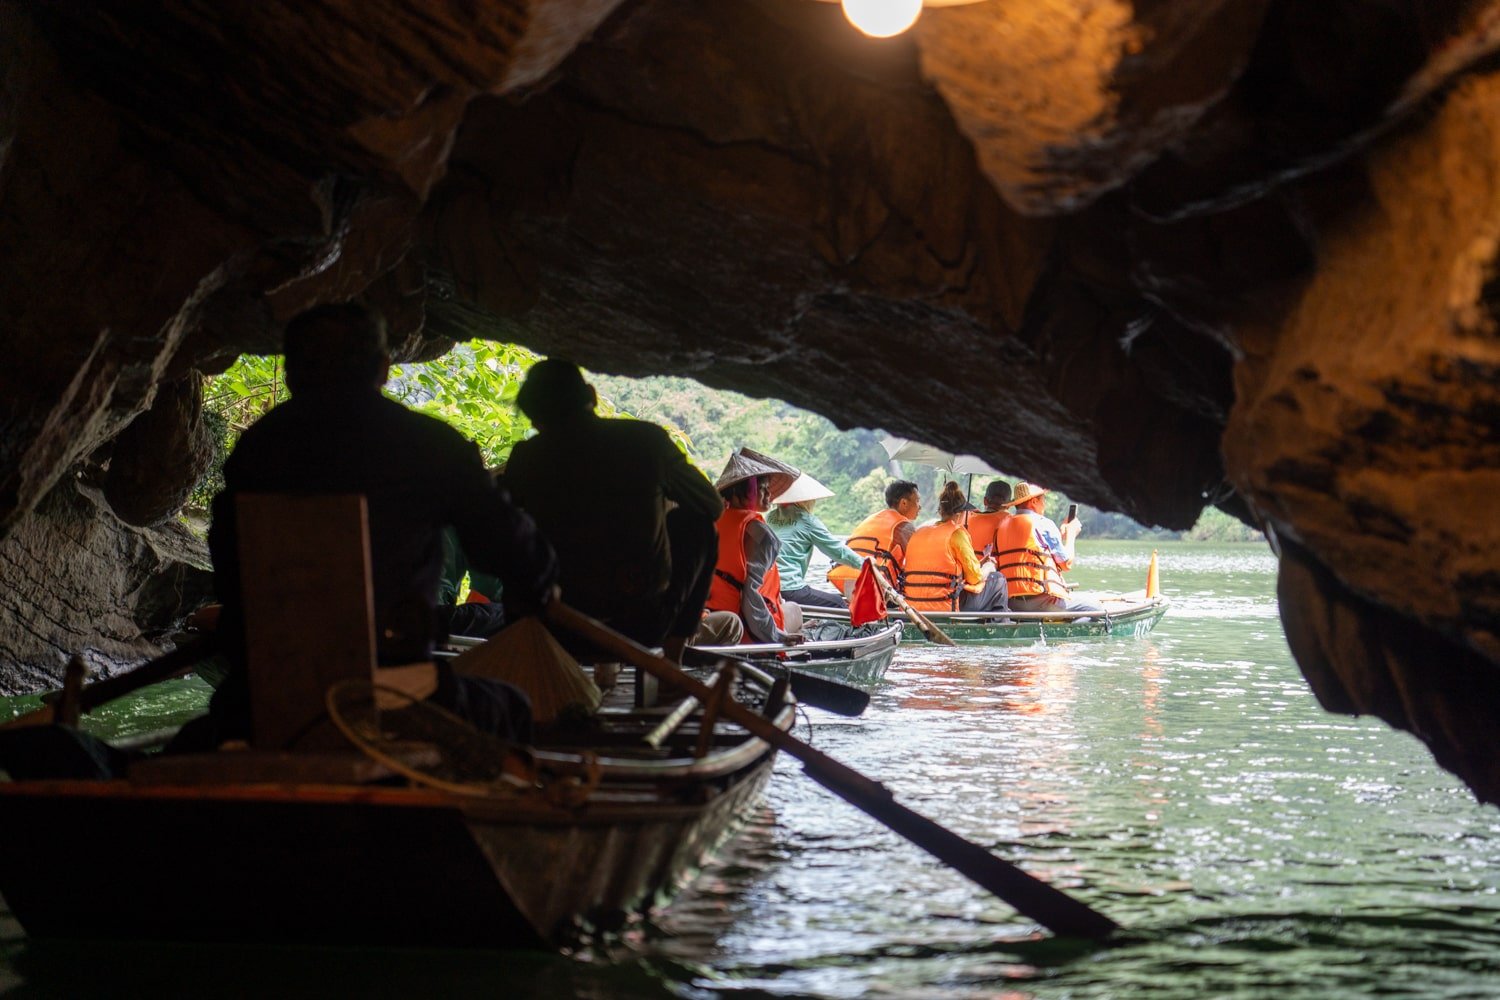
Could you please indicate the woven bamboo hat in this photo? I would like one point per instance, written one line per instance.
(805, 488)
(1024, 492)
(746, 462)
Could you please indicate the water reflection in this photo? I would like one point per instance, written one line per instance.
(1185, 783)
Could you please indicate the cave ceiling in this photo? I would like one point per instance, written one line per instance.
(1159, 254)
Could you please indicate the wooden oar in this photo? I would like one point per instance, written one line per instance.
(164, 667)
(819, 692)
(934, 635)
(1049, 907)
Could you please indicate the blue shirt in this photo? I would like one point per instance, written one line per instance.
(798, 540)
(1050, 539)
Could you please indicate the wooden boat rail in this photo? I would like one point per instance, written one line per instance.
(887, 636)
(1004, 616)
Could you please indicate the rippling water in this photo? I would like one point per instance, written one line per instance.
(1186, 783)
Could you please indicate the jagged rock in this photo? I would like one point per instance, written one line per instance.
(1368, 421)
(158, 459)
(1157, 253)
(78, 580)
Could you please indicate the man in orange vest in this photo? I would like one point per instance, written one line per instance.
(883, 536)
(745, 579)
(1033, 552)
(984, 525)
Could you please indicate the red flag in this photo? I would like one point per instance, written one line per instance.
(865, 601)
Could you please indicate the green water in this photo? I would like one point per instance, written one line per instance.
(1186, 783)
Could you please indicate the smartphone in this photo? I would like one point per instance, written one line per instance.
(1072, 513)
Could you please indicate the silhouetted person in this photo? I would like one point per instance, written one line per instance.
(632, 519)
(338, 435)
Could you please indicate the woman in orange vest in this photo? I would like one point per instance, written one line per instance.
(1032, 553)
(883, 535)
(942, 571)
(745, 578)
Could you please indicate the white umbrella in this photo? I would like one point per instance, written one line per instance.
(906, 450)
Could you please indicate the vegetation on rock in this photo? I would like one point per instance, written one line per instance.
(473, 388)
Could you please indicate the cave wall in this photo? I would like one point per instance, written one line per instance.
(1156, 253)
(80, 580)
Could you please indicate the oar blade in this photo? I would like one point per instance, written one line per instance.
(826, 693)
(1048, 906)
(937, 636)
(817, 692)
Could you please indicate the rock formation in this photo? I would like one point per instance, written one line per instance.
(1157, 253)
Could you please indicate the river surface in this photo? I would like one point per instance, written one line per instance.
(1186, 783)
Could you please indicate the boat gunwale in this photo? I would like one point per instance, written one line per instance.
(858, 645)
(1134, 609)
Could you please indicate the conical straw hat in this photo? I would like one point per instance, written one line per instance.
(805, 488)
(526, 655)
(746, 462)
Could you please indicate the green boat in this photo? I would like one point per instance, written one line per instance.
(1124, 616)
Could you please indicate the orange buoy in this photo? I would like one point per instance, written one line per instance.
(1153, 580)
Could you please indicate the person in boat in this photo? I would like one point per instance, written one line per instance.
(337, 434)
(983, 524)
(632, 519)
(482, 613)
(942, 572)
(883, 536)
(745, 578)
(800, 531)
(1033, 553)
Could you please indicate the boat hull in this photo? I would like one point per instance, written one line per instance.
(860, 662)
(360, 864)
(968, 628)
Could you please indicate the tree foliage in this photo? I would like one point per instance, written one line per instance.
(474, 386)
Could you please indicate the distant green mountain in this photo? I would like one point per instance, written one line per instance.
(710, 423)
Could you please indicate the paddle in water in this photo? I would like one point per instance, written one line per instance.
(934, 635)
(819, 692)
(1050, 907)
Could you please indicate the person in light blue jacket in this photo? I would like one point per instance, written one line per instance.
(800, 531)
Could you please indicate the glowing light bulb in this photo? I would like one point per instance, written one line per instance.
(882, 18)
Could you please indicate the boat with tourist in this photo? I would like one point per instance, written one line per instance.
(859, 659)
(1124, 616)
(453, 842)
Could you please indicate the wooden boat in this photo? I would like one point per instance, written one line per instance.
(334, 848)
(1124, 616)
(860, 661)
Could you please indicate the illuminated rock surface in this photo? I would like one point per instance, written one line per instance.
(1156, 254)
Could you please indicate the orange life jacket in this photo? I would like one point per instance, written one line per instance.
(933, 576)
(983, 527)
(729, 571)
(874, 539)
(1028, 568)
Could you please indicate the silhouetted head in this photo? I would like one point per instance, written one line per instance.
(336, 348)
(555, 390)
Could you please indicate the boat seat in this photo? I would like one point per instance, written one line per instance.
(309, 612)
